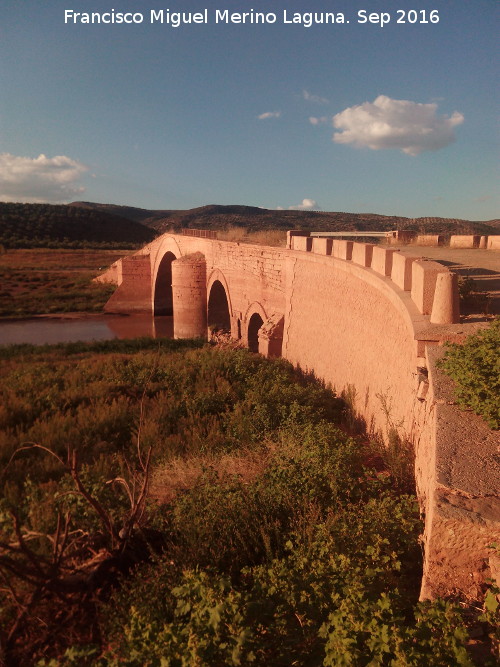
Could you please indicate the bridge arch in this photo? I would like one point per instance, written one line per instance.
(254, 319)
(161, 275)
(162, 288)
(218, 302)
(254, 325)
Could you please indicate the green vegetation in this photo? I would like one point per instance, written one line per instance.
(61, 226)
(475, 368)
(185, 505)
(43, 281)
(473, 299)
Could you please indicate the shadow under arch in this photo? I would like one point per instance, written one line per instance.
(163, 299)
(218, 315)
(254, 325)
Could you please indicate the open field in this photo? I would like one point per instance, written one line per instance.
(38, 281)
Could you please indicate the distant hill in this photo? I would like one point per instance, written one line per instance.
(87, 224)
(53, 226)
(256, 219)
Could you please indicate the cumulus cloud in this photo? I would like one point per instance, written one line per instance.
(307, 205)
(313, 98)
(269, 114)
(39, 180)
(386, 123)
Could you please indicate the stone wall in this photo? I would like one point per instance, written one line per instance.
(133, 275)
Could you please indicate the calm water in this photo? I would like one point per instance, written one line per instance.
(39, 331)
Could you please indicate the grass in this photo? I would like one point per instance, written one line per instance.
(270, 237)
(40, 281)
(267, 537)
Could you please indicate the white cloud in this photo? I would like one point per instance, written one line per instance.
(269, 114)
(313, 98)
(307, 205)
(39, 180)
(318, 121)
(387, 123)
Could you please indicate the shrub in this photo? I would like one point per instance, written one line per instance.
(475, 368)
(310, 556)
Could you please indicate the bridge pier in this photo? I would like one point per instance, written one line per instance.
(189, 295)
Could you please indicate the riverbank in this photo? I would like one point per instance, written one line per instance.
(39, 281)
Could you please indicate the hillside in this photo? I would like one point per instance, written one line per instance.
(256, 219)
(87, 224)
(50, 226)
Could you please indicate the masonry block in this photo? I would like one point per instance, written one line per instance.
(342, 249)
(303, 243)
(290, 236)
(430, 239)
(423, 283)
(362, 253)
(462, 241)
(483, 242)
(322, 246)
(134, 291)
(189, 296)
(382, 259)
(446, 306)
(402, 270)
(493, 242)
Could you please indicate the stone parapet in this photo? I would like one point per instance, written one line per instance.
(430, 240)
(423, 283)
(446, 306)
(402, 270)
(463, 241)
(290, 236)
(382, 259)
(413, 274)
(322, 246)
(342, 249)
(302, 243)
(362, 254)
(493, 243)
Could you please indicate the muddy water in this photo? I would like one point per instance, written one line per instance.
(43, 330)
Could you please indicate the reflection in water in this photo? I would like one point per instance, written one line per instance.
(39, 331)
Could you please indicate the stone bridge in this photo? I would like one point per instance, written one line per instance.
(368, 320)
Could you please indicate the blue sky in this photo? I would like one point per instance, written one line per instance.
(399, 119)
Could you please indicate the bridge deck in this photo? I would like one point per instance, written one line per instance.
(483, 266)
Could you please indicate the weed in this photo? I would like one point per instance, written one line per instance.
(475, 368)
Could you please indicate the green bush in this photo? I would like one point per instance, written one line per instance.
(306, 558)
(475, 368)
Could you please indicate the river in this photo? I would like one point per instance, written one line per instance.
(82, 327)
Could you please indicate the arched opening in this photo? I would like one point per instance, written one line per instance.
(163, 303)
(254, 325)
(218, 308)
